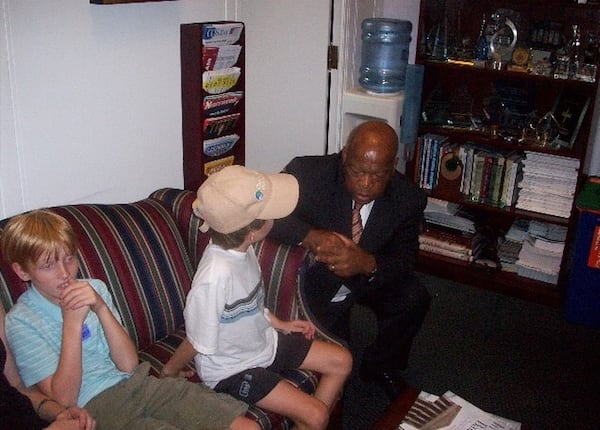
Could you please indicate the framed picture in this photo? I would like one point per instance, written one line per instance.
(122, 1)
(569, 110)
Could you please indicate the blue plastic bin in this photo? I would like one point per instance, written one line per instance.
(583, 294)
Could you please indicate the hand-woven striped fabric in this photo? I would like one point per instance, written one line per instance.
(179, 203)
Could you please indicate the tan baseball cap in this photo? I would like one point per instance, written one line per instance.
(235, 196)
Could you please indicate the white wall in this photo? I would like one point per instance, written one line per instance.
(407, 10)
(93, 99)
(90, 102)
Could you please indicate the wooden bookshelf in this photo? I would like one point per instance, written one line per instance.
(458, 92)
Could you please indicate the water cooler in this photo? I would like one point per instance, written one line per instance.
(389, 89)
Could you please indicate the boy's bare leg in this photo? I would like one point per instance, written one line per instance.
(307, 412)
(334, 363)
(243, 423)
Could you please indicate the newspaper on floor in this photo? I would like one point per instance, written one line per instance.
(451, 412)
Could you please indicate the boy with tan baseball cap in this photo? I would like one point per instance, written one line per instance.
(238, 346)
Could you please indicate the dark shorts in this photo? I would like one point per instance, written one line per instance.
(254, 384)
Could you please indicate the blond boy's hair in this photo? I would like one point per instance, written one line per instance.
(35, 234)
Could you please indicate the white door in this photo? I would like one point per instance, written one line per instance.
(286, 78)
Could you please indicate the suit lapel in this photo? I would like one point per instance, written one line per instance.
(378, 223)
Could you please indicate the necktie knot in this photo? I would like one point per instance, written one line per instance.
(356, 222)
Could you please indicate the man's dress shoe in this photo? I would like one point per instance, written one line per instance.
(392, 384)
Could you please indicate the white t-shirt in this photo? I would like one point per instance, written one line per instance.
(225, 317)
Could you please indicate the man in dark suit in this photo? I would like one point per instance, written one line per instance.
(367, 258)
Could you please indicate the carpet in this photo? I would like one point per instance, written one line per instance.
(510, 357)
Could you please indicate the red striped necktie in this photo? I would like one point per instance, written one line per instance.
(357, 227)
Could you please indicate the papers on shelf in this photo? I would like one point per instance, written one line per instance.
(447, 214)
(539, 247)
(451, 412)
(548, 184)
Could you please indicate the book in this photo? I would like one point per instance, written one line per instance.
(512, 172)
(486, 177)
(425, 161)
(460, 243)
(418, 161)
(496, 181)
(433, 163)
(430, 164)
(477, 175)
(445, 252)
(467, 153)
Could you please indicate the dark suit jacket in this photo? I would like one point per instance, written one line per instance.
(392, 230)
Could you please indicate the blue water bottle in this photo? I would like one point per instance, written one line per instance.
(385, 45)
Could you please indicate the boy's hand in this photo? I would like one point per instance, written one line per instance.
(81, 416)
(79, 297)
(299, 326)
(167, 372)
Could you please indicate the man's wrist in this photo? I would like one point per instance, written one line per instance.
(373, 272)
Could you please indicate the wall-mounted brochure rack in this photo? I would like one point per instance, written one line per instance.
(212, 98)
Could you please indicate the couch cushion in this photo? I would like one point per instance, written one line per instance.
(138, 251)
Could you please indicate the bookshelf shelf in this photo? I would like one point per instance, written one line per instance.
(499, 282)
(483, 138)
(506, 213)
(506, 114)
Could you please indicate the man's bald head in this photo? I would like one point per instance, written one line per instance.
(369, 160)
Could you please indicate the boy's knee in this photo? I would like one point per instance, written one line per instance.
(244, 423)
(317, 416)
(343, 362)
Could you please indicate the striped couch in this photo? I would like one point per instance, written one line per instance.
(146, 252)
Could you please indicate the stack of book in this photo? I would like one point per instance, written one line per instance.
(548, 184)
(541, 251)
(511, 243)
(449, 230)
(443, 242)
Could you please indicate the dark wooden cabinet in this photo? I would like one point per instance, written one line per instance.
(212, 98)
(502, 103)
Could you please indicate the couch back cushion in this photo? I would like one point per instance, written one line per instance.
(280, 263)
(138, 251)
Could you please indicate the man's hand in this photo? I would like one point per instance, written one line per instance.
(344, 257)
(322, 240)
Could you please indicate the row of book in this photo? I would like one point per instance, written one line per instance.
(498, 177)
(481, 174)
